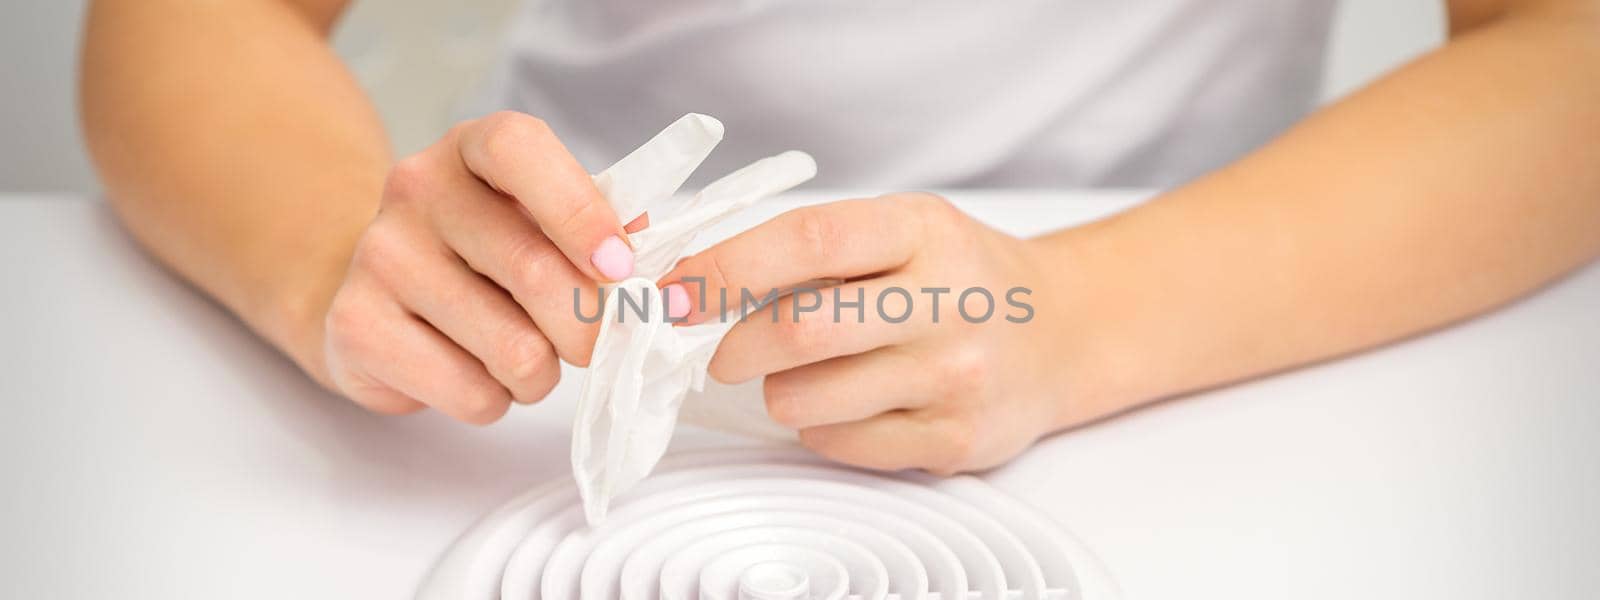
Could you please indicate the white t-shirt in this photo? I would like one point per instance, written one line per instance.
(905, 94)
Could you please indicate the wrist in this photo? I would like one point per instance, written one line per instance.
(296, 311)
(1093, 369)
(300, 316)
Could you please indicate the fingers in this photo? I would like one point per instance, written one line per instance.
(482, 319)
(461, 293)
(638, 224)
(840, 240)
(849, 388)
(520, 156)
(374, 396)
(496, 239)
(896, 440)
(375, 344)
(425, 365)
(816, 324)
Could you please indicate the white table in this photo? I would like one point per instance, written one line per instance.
(152, 448)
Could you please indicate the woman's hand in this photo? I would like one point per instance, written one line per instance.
(460, 292)
(935, 390)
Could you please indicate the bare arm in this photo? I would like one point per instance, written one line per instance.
(236, 147)
(241, 152)
(1458, 183)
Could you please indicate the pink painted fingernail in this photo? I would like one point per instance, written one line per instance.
(677, 301)
(613, 258)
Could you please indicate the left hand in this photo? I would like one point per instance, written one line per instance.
(946, 396)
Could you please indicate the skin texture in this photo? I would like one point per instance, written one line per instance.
(865, 389)
(1454, 185)
(440, 280)
(238, 149)
(467, 270)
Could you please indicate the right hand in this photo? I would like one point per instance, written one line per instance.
(460, 292)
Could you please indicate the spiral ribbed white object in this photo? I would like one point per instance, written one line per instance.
(770, 524)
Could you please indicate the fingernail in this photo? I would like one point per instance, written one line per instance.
(613, 258)
(677, 301)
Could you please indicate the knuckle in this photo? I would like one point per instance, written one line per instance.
(508, 134)
(923, 201)
(381, 250)
(936, 213)
(963, 372)
(514, 122)
(783, 400)
(483, 404)
(580, 213)
(816, 231)
(533, 260)
(715, 272)
(345, 323)
(407, 180)
(526, 357)
(707, 265)
(453, 135)
(543, 384)
(804, 337)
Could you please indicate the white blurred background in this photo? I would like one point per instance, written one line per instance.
(419, 59)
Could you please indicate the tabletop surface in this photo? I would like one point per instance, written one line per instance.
(154, 448)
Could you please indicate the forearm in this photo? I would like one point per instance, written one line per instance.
(1456, 184)
(237, 148)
